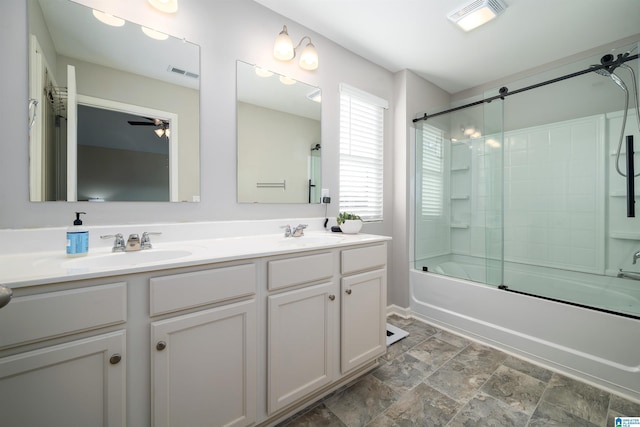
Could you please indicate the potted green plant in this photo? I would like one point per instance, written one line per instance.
(349, 223)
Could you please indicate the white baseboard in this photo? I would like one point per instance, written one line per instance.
(403, 312)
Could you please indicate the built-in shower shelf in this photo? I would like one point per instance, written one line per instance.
(622, 153)
(460, 226)
(462, 169)
(624, 235)
(620, 194)
(459, 197)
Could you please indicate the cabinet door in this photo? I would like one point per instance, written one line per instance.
(300, 343)
(363, 327)
(204, 367)
(80, 383)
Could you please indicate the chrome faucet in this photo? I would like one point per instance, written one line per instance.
(118, 243)
(145, 243)
(287, 230)
(636, 256)
(133, 243)
(299, 230)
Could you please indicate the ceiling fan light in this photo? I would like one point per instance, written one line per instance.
(167, 132)
(105, 18)
(283, 47)
(166, 6)
(159, 132)
(309, 57)
(476, 13)
(156, 35)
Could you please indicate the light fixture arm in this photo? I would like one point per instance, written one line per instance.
(300, 44)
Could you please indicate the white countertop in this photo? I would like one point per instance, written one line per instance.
(36, 268)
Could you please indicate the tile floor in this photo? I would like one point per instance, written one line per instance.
(435, 378)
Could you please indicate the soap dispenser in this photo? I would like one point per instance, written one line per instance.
(77, 238)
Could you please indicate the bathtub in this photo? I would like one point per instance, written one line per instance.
(598, 347)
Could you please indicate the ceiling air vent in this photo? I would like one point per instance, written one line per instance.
(183, 72)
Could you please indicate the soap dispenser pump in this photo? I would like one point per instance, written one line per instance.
(77, 238)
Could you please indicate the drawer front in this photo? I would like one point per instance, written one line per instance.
(288, 272)
(39, 317)
(187, 290)
(362, 259)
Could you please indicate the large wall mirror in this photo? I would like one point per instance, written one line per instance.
(114, 108)
(279, 148)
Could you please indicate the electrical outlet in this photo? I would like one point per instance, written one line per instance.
(324, 196)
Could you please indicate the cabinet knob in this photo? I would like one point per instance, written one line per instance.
(348, 291)
(161, 345)
(115, 359)
(332, 297)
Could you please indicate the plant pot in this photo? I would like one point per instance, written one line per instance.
(351, 226)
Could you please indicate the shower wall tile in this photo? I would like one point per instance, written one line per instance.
(550, 206)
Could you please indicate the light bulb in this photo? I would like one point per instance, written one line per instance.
(283, 47)
(166, 6)
(309, 58)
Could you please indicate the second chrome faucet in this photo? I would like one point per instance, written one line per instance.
(134, 242)
(296, 232)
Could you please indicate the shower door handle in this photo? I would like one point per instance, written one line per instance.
(631, 197)
(33, 112)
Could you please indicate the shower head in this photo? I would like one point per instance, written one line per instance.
(617, 80)
(316, 147)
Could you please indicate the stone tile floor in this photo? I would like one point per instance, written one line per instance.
(435, 378)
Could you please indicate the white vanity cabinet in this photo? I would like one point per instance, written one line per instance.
(54, 370)
(301, 337)
(326, 318)
(204, 363)
(363, 305)
(237, 341)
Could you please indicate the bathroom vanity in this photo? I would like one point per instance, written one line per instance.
(246, 335)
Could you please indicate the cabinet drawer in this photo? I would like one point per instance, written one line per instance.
(299, 270)
(187, 290)
(38, 317)
(361, 259)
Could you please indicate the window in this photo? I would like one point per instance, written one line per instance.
(431, 184)
(361, 148)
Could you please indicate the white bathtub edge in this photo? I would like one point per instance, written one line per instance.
(452, 315)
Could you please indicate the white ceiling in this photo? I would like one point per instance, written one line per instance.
(416, 34)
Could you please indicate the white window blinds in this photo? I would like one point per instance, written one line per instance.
(431, 177)
(361, 153)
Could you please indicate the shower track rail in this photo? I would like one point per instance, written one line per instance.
(504, 91)
(575, 304)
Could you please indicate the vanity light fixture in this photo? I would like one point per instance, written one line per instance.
(476, 13)
(157, 35)
(283, 50)
(105, 18)
(166, 6)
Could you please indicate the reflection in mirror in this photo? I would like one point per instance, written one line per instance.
(105, 101)
(279, 148)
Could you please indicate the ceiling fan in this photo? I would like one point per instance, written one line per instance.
(162, 126)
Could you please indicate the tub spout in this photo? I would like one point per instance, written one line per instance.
(636, 256)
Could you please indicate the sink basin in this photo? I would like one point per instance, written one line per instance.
(311, 240)
(126, 259)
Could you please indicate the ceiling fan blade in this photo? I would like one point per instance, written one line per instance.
(141, 123)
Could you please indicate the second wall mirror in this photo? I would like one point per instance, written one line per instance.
(279, 146)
